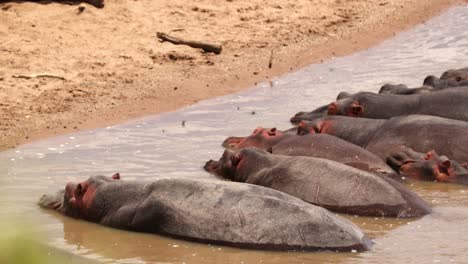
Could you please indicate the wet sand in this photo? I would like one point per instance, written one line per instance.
(105, 66)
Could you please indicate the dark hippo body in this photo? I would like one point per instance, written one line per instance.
(428, 167)
(403, 89)
(379, 136)
(440, 84)
(321, 182)
(332, 148)
(449, 103)
(314, 145)
(213, 211)
(455, 74)
(317, 113)
(260, 138)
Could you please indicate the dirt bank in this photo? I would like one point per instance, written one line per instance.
(103, 66)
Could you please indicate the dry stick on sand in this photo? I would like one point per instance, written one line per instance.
(207, 47)
(44, 75)
(270, 62)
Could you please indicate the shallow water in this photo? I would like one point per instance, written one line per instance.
(160, 146)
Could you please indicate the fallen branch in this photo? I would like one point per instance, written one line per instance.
(207, 47)
(43, 75)
(270, 62)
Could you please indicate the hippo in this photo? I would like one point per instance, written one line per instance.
(380, 136)
(457, 74)
(260, 137)
(314, 145)
(321, 182)
(317, 113)
(450, 103)
(211, 211)
(403, 89)
(429, 167)
(440, 84)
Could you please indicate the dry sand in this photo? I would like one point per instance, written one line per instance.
(112, 68)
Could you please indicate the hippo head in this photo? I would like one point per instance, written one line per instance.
(346, 107)
(457, 75)
(310, 116)
(260, 138)
(76, 199)
(318, 126)
(429, 167)
(226, 166)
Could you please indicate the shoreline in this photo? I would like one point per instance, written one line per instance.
(171, 85)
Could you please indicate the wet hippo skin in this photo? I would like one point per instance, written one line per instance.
(419, 132)
(428, 167)
(313, 145)
(455, 74)
(403, 89)
(448, 103)
(321, 182)
(211, 211)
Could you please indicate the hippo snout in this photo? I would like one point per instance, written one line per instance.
(210, 166)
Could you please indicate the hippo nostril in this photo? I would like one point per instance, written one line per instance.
(208, 164)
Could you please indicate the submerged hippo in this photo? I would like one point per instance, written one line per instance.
(380, 136)
(456, 74)
(440, 84)
(321, 182)
(449, 103)
(403, 89)
(229, 213)
(313, 145)
(260, 137)
(429, 167)
(317, 113)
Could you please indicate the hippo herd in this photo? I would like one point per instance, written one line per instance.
(280, 189)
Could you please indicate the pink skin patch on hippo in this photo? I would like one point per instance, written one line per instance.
(259, 138)
(332, 109)
(81, 195)
(355, 109)
(322, 127)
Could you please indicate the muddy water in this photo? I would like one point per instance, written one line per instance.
(160, 146)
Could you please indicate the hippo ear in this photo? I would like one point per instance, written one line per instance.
(429, 155)
(318, 126)
(116, 176)
(235, 159)
(445, 166)
(356, 109)
(272, 131)
(332, 109)
(302, 129)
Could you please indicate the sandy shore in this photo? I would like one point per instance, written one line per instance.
(103, 66)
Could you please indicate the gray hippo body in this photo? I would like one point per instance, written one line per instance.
(213, 211)
(419, 132)
(332, 148)
(321, 182)
(316, 145)
(449, 103)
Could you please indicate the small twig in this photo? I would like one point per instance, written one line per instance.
(270, 62)
(207, 47)
(43, 75)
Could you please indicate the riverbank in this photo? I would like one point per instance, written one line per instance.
(105, 66)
